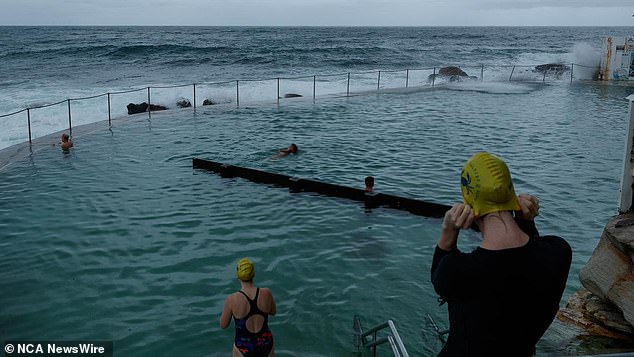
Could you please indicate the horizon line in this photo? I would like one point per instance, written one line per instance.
(306, 26)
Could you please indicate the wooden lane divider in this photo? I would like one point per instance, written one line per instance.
(371, 199)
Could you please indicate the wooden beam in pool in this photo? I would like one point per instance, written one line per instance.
(371, 199)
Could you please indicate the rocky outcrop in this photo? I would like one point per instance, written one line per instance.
(595, 316)
(608, 302)
(552, 68)
(452, 71)
(292, 95)
(140, 108)
(136, 108)
(183, 103)
(451, 74)
(210, 101)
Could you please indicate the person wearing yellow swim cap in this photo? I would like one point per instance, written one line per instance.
(250, 308)
(503, 295)
(245, 271)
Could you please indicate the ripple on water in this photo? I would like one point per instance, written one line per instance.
(137, 246)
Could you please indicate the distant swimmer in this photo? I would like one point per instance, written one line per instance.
(369, 184)
(291, 149)
(66, 143)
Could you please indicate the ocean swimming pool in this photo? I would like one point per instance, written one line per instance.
(122, 239)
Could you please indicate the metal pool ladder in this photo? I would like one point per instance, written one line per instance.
(361, 343)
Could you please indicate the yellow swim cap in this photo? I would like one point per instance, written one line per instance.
(487, 186)
(245, 269)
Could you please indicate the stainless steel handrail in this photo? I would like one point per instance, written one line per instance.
(393, 338)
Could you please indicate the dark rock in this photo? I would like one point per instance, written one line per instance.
(140, 108)
(292, 95)
(555, 69)
(452, 71)
(552, 67)
(451, 74)
(183, 103)
(208, 101)
(155, 107)
(136, 108)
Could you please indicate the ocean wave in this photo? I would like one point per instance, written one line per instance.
(113, 52)
(166, 49)
(56, 52)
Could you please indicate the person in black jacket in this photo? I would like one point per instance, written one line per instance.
(503, 295)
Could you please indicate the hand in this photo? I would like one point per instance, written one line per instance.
(529, 207)
(458, 217)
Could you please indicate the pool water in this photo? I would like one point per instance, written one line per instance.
(121, 239)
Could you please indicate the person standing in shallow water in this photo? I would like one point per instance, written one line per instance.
(503, 295)
(369, 184)
(250, 308)
(66, 143)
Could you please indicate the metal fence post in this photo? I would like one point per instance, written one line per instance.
(28, 118)
(149, 104)
(511, 76)
(109, 114)
(314, 87)
(348, 87)
(406, 78)
(278, 90)
(70, 124)
(237, 93)
(194, 97)
(572, 70)
(482, 73)
(544, 77)
(433, 78)
(378, 82)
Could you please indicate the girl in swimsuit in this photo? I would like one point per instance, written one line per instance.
(250, 308)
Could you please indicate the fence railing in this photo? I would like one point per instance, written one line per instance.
(366, 82)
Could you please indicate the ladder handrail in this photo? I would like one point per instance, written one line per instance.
(397, 338)
(393, 337)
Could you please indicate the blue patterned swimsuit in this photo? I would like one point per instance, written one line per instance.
(253, 344)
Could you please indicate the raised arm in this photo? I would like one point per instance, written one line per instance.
(458, 217)
(443, 275)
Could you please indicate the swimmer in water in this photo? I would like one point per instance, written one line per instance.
(66, 143)
(291, 149)
(369, 184)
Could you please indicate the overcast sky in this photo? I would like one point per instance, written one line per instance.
(319, 12)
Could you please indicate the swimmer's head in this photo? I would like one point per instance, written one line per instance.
(369, 183)
(65, 138)
(293, 149)
(245, 270)
(486, 185)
